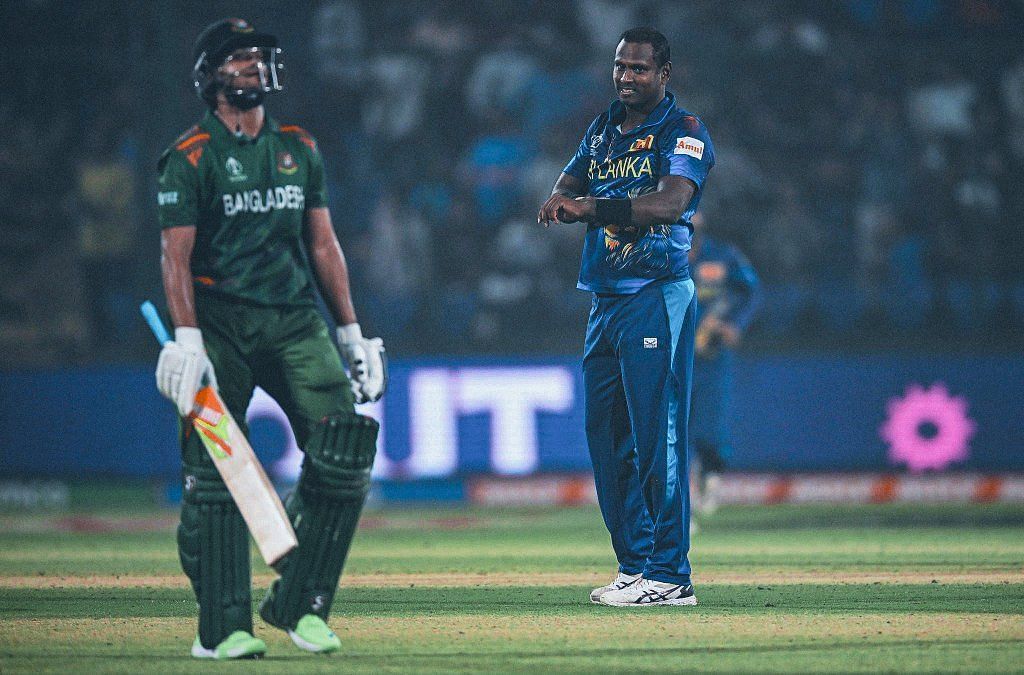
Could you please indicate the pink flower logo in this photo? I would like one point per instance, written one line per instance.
(927, 428)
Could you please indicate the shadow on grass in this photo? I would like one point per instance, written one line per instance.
(724, 599)
(788, 647)
(651, 653)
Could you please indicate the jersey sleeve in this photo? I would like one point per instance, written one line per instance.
(316, 189)
(316, 183)
(686, 151)
(177, 197)
(579, 165)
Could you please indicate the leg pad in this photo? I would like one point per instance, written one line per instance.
(325, 509)
(213, 544)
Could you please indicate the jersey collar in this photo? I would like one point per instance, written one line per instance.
(216, 127)
(617, 113)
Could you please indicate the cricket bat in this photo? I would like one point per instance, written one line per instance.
(237, 464)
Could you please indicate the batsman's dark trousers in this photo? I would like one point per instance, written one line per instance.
(637, 371)
(285, 350)
(289, 353)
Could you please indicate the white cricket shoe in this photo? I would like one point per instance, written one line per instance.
(621, 581)
(648, 593)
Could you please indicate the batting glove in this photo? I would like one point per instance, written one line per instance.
(366, 361)
(182, 367)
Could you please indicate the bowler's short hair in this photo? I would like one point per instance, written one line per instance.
(657, 41)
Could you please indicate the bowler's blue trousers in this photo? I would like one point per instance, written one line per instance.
(637, 372)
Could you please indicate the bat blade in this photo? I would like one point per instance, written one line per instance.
(244, 476)
(236, 462)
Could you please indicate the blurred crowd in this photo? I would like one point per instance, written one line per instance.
(870, 154)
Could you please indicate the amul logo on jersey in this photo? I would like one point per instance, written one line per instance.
(256, 201)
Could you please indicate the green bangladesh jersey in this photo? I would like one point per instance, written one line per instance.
(247, 199)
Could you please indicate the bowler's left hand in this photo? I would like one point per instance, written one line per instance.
(562, 209)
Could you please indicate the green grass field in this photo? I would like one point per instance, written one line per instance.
(428, 589)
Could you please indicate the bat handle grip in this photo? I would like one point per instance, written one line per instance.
(152, 318)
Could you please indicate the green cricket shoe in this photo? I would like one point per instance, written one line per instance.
(314, 635)
(238, 645)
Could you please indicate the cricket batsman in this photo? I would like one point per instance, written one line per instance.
(635, 181)
(244, 219)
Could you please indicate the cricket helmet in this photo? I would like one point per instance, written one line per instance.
(215, 48)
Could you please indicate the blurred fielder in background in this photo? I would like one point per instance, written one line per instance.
(241, 206)
(636, 180)
(728, 296)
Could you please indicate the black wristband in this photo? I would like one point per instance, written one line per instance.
(614, 211)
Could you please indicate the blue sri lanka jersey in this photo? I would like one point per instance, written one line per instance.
(616, 165)
(727, 285)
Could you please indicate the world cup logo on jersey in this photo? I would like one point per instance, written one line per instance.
(286, 164)
(236, 173)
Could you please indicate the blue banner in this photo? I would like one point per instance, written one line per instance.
(518, 417)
